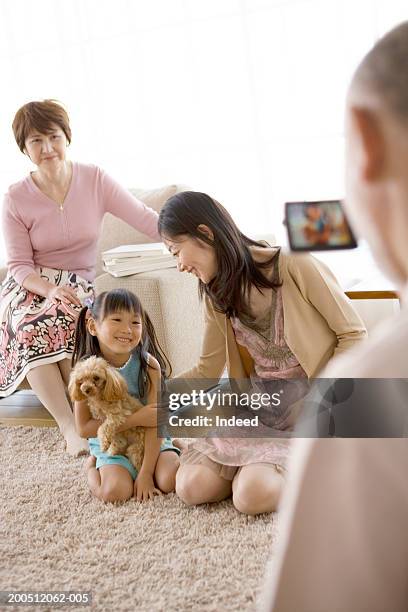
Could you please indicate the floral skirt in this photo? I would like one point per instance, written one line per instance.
(34, 330)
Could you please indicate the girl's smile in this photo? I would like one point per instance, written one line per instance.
(118, 334)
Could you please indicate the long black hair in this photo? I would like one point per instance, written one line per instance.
(237, 271)
(110, 302)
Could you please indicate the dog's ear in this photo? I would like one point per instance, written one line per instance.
(74, 389)
(115, 386)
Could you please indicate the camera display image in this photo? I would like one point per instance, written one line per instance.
(318, 226)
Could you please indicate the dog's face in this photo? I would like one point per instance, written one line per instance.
(95, 378)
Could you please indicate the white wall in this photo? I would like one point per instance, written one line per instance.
(242, 99)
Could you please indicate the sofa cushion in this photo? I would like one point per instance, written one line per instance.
(116, 232)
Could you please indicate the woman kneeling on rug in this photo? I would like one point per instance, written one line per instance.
(268, 315)
(51, 226)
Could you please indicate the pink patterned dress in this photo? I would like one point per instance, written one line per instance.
(263, 337)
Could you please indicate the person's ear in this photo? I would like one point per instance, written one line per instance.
(90, 326)
(369, 143)
(204, 229)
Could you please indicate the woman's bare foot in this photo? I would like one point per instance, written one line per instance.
(75, 445)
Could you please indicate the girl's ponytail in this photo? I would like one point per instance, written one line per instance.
(85, 344)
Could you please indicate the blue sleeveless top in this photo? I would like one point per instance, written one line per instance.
(130, 372)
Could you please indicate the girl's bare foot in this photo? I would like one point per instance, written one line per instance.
(180, 443)
(75, 445)
(89, 463)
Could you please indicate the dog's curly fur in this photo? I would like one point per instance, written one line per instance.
(105, 390)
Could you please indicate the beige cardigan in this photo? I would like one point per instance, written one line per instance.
(319, 322)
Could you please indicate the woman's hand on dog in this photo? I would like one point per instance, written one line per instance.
(144, 488)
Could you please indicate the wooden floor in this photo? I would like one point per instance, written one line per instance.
(24, 408)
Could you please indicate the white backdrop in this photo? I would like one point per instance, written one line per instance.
(242, 99)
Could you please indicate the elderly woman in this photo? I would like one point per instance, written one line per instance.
(269, 316)
(51, 225)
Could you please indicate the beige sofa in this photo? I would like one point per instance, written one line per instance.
(170, 297)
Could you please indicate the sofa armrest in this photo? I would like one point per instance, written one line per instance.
(171, 300)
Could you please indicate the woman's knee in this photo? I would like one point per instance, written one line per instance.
(255, 505)
(197, 484)
(252, 497)
(187, 486)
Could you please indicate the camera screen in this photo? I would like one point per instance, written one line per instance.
(318, 226)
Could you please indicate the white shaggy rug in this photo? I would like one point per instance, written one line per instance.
(160, 555)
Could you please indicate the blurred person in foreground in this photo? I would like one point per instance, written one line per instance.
(344, 542)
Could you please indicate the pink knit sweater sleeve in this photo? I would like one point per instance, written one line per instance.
(20, 261)
(121, 203)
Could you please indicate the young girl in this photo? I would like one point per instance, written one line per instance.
(117, 328)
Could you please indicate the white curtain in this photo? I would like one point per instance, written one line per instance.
(242, 99)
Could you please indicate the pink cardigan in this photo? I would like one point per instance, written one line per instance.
(38, 232)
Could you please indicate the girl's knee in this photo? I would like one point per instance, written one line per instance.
(115, 489)
(166, 480)
(166, 470)
(115, 493)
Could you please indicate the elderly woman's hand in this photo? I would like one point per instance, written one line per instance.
(65, 294)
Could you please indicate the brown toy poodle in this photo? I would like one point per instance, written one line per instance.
(105, 390)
